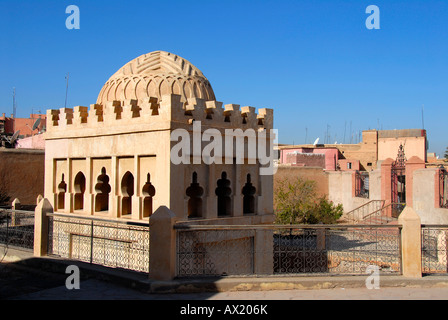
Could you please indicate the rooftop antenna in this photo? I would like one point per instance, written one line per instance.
(36, 124)
(14, 138)
(345, 128)
(306, 135)
(423, 121)
(316, 142)
(14, 108)
(66, 89)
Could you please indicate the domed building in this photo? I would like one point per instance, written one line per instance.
(157, 141)
(114, 159)
(156, 74)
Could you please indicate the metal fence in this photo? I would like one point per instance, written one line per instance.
(119, 244)
(434, 249)
(287, 250)
(17, 228)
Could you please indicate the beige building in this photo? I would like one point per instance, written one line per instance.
(114, 159)
(375, 146)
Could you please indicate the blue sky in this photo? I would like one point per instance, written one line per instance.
(314, 62)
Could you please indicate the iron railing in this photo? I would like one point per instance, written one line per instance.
(112, 243)
(434, 249)
(287, 249)
(17, 228)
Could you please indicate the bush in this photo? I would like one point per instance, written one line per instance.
(297, 202)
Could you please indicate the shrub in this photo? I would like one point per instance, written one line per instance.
(296, 202)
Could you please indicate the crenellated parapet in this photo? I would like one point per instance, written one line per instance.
(170, 109)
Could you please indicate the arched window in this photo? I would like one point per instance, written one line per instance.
(248, 197)
(223, 191)
(127, 191)
(79, 188)
(148, 193)
(195, 192)
(62, 189)
(102, 189)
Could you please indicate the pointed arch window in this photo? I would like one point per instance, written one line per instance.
(62, 189)
(148, 193)
(127, 191)
(195, 193)
(79, 188)
(102, 189)
(248, 196)
(223, 191)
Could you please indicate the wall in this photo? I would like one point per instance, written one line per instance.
(341, 189)
(413, 146)
(22, 174)
(424, 197)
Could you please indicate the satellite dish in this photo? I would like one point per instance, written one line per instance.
(36, 124)
(316, 142)
(14, 137)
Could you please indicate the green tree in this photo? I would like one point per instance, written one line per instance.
(296, 202)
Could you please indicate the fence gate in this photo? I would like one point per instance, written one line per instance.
(398, 182)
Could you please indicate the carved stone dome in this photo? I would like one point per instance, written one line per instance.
(154, 75)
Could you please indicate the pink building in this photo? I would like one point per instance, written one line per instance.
(326, 158)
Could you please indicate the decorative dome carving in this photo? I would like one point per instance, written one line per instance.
(156, 74)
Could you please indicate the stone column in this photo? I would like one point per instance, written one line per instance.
(41, 227)
(264, 252)
(411, 245)
(15, 220)
(386, 188)
(162, 259)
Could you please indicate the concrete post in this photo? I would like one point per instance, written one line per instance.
(15, 220)
(41, 227)
(264, 252)
(162, 244)
(411, 245)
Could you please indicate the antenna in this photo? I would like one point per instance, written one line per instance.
(14, 137)
(14, 108)
(316, 142)
(423, 121)
(66, 89)
(36, 124)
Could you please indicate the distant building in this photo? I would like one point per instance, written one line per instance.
(9, 125)
(27, 137)
(375, 146)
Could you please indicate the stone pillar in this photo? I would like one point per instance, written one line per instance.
(411, 245)
(41, 227)
(136, 204)
(264, 252)
(414, 163)
(162, 242)
(386, 181)
(15, 220)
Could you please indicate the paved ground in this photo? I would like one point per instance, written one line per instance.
(25, 278)
(98, 290)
